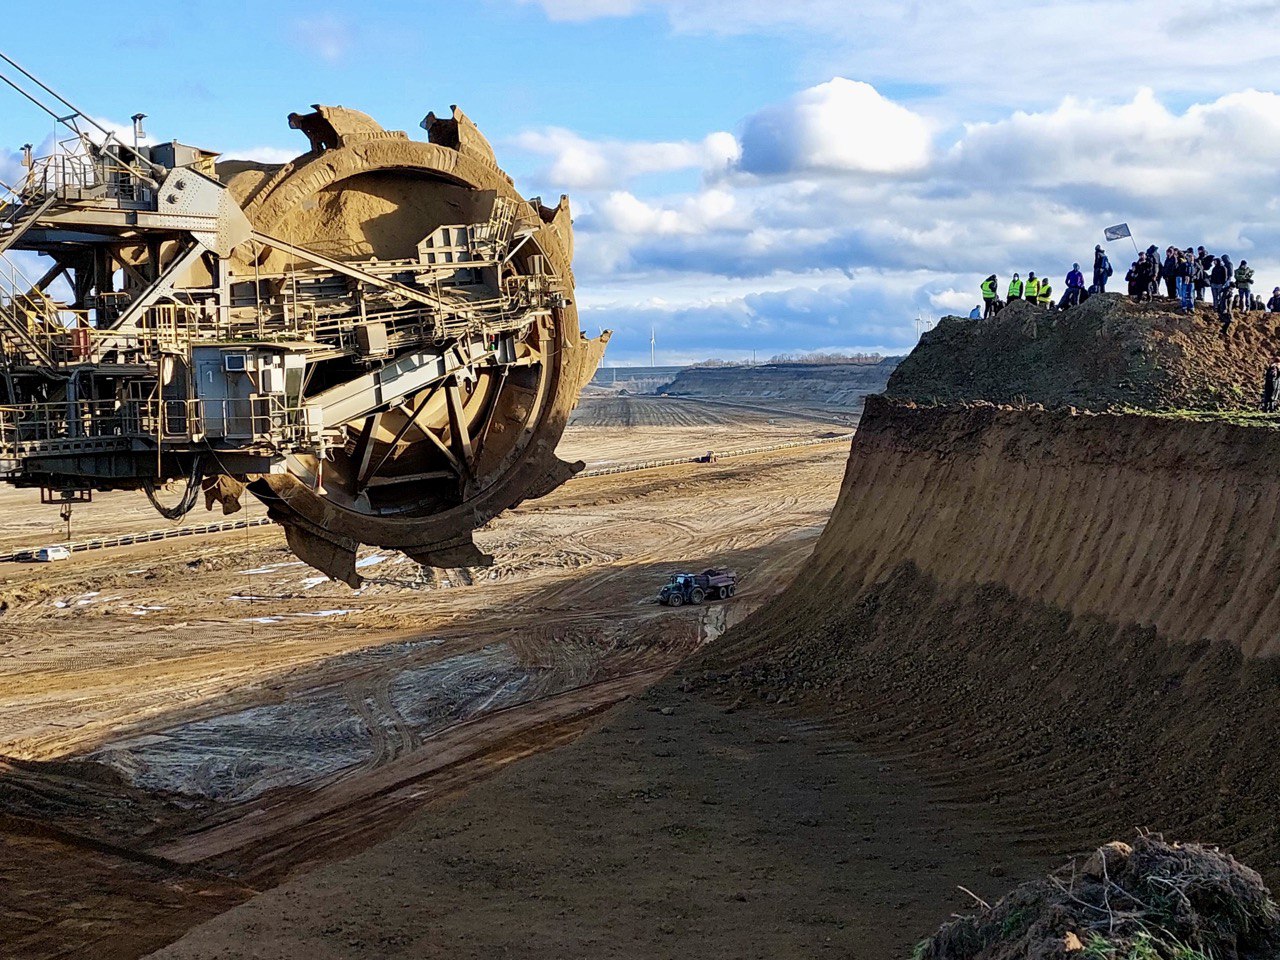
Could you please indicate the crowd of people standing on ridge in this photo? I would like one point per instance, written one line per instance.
(1189, 277)
(1186, 276)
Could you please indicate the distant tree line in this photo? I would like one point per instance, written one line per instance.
(827, 358)
(815, 359)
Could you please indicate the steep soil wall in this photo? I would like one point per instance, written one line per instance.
(1134, 519)
(837, 384)
(1075, 616)
(1107, 353)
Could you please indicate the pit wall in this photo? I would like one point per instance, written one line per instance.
(1069, 620)
(1134, 519)
(841, 385)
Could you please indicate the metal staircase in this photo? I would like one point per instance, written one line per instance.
(17, 218)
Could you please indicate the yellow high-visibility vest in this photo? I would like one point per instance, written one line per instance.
(1046, 292)
(1033, 289)
(1015, 288)
(988, 289)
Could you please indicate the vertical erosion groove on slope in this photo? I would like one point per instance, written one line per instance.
(1134, 519)
(1072, 614)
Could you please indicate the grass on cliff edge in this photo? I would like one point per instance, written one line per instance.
(1241, 418)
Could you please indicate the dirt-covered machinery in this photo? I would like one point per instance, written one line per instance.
(716, 583)
(377, 338)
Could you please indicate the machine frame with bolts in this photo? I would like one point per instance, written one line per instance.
(378, 339)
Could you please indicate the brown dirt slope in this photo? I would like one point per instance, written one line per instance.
(1073, 618)
(1107, 353)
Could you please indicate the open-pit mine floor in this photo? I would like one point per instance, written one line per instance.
(186, 723)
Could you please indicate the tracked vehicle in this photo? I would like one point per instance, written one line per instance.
(378, 339)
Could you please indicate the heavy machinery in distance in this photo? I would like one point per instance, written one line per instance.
(716, 583)
(378, 339)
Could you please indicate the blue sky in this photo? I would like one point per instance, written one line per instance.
(750, 175)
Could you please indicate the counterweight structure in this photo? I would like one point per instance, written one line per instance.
(378, 339)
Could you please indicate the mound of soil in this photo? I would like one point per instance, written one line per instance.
(1108, 353)
(1154, 900)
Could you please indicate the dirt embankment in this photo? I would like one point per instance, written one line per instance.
(1107, 353)
(1072, 618)
(837, 384)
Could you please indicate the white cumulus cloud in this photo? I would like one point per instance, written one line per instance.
(574, 162)
(579, 10)
(839, 126)
(698, 214)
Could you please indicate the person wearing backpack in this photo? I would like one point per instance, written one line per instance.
(1205, 259)
(1101, 269)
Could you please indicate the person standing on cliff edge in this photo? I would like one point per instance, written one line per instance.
(1101, 269)
(1075, 288)
(990, 296)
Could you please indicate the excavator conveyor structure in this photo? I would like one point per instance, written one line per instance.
(378, 339)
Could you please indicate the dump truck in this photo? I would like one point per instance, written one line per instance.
(712, 584)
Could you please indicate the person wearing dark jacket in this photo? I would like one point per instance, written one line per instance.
(1202, 280)
(1273, 305)
(1170, 273)
(1218, 282)
(1140, 277)
(1153, 265)
(1244, 284)
(1188, 268)
(1134, 279)
(1101, 269)
(1270, 384)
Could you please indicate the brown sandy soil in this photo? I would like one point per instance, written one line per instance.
(1040, 631)
(1047, 630)
(1069, 619)
(204, 717)
(679, 828)
(25, 522)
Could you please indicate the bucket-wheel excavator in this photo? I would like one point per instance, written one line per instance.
(378, 339)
